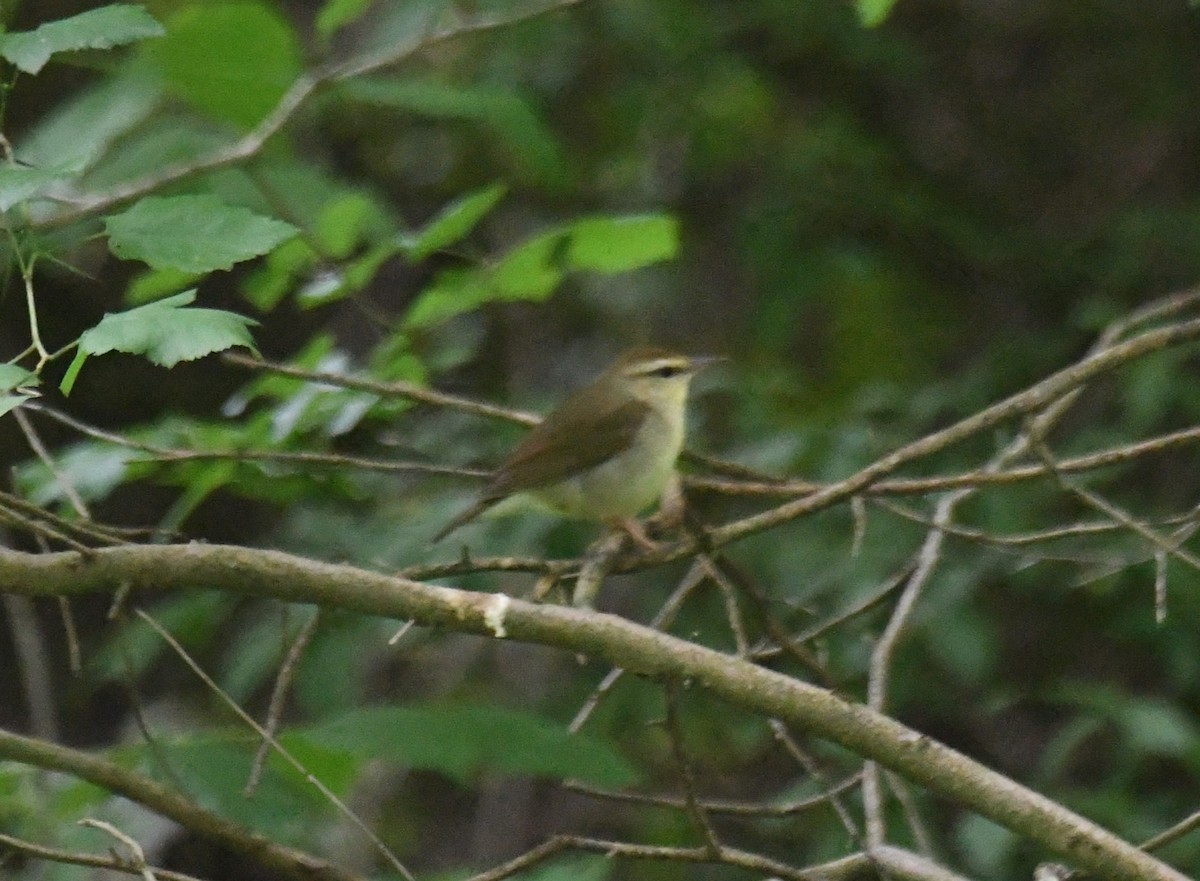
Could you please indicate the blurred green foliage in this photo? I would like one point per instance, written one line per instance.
(885, 227)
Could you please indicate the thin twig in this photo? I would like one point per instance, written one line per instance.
(137, 856)
(732, 613)
(32, 664)
(173, 454)
(721, 806)
(39, 449)
(687, 774)
(112, 862)
(810, 766)
(1180, 829)
(395, 389)
(283, 681)
(342, 807)
(662, 619)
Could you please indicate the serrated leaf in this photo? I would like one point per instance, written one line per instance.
(233, 61)
(164, 333)
(455, 221)
(619, 244)
(100, 28)
(464, 739)
(192, 233)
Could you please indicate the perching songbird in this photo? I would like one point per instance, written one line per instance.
(608, 451)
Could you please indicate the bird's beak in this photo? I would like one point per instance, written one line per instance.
(699, 362)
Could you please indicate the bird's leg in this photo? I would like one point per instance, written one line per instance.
(633, 528)
(597, 560)
(672, 507)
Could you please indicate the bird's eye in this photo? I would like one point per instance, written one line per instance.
(666, 371)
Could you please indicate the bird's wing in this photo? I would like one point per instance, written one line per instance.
(583, 432)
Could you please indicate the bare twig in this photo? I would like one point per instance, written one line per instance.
(662, 619)
(881, 656)
(137, 856)
(325, 791)
(112, 862)
(406, 390)
(721, 806)
(810, 766)
(172, 454)
(283, 681)
(1180, 829)
(729, 594)
(39, 449)
(683, 764)
(33, 664)
(166, 801)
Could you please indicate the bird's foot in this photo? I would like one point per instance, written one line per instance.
(636, 531)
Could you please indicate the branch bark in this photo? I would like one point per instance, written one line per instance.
(145, 791)
(631, 646)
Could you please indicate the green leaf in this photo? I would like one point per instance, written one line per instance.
(154, 284)
(192, 233)
(533, 269)
(510, 117)
(214, 768)
(164, 333)
(11, 402)
(13, 376)
(232, 60)
(873, 12)
(453, 292)
(619, 244)
(336, 14)
(455, 221)
(18, 184)
(461, 740)
(100, 28)
(74, 132)
(92, 468)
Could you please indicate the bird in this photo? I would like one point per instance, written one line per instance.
(608, 451)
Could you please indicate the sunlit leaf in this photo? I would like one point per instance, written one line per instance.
(100, 28)
(619, 244)
(453, 292)
(455, 221)
(873, 12)
(336, 14)
(232, 60)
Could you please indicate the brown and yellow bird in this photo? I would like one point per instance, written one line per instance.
(608, 451)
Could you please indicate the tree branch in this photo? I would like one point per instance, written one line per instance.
(153, 795)
(636, 648)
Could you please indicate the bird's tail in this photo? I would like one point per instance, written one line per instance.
(465, 517)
